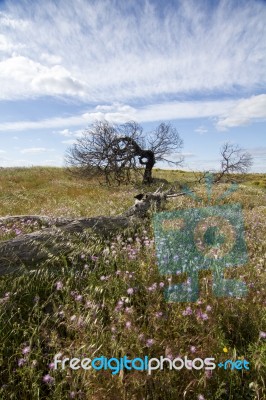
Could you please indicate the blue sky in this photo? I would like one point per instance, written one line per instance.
(200, 65)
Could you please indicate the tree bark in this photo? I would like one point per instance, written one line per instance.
(33, 248)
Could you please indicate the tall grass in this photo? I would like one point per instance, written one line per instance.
(106, 298)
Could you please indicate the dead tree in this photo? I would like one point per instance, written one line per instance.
(33, 248)
(234, 160)
(115, 151)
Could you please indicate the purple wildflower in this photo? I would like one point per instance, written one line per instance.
(130, 291)
(149, 342)
(47, 378)
(158, 314)
(59, 285)
(188, 311)
(21, 362)
(26, 350)
(262, 335)
(192, 349)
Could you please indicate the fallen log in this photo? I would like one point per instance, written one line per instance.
(33, 248)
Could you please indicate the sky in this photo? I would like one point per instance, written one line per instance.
(200, 65)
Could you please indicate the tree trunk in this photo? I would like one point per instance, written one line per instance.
(149, 164)
(33, 248)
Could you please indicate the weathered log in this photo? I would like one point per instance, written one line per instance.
(33, 248)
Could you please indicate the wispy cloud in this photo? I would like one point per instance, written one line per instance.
(35, 150)
(108, 51)
(226, 113)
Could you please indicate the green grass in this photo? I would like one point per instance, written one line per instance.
(79, 305)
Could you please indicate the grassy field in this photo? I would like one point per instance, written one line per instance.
(107, 299)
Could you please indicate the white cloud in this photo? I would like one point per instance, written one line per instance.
(228, 113)
(22, 77)
(243, 112)
(35, 150)
(201, 130)
(108, 51)
(122, 113)
(69, 133)
(69, 141)
(2, 151)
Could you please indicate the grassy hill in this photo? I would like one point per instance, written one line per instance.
(107, 299)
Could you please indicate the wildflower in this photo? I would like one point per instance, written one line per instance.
(78, 297)
(118, 272)
(26, 350)
(149, 342)
(72, 318)
(188, 311)
(59, 285)
(130, 291)
(152, 287)
(103, 278)
(72, 395)
(94, 258)
(159, 314)
(21, 362)
(128, 324)
(47, 378)
(208, 373)
(262, 335)
(161, 284)
(208, 308)
(225, 350)
(202, 315)
(51, 365)
(86, 266)
(201, 397)
(193, 349)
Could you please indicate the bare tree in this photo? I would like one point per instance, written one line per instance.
(114, 151)
(234, 160)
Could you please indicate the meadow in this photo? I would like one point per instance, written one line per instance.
(107, 298)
